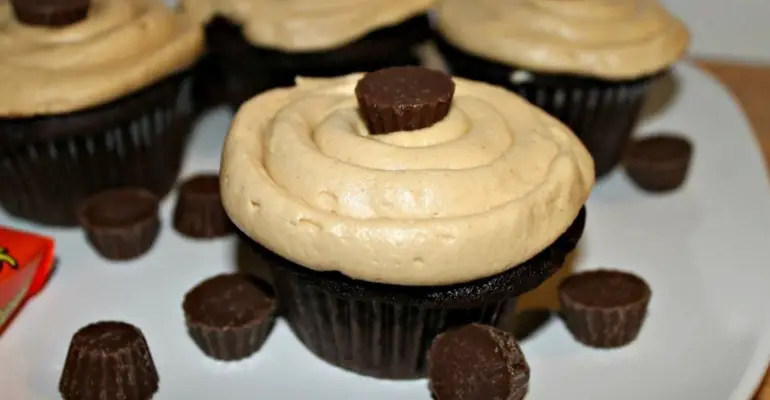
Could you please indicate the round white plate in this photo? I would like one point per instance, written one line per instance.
(703, 250)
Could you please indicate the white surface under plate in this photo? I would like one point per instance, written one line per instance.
(703, 249)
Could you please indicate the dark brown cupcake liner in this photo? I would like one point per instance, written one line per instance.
(49, 164)
(231, 344)
(238, 70)
(199, 212)
(603, 114)
(605, 326)
(126, 241)
(108, 360)
(385, 331)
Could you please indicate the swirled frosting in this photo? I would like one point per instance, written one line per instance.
(307, 25)
(122, 46)
(613, 39)
(483, 190)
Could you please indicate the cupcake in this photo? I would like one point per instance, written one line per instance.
(394, 205)
(256, 45)
(589, 63)
(93, 97)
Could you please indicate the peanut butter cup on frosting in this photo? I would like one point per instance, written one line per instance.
(589, 63)
(50, 12)
(255, 45)
(93, 97)
(379, 242)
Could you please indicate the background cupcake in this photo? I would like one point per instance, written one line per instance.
(437, 209)
(92, 97)
(587, 62)
(255, 45)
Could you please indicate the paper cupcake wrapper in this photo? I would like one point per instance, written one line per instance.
(231, 344)
(370, 337)
(603, 114)
(44, 179)
(242, 70)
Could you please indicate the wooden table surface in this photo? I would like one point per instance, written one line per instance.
(750, 83)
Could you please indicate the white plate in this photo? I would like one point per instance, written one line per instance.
(703, 249)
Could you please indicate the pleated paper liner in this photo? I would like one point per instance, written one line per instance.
(384, 331)
(48, 164)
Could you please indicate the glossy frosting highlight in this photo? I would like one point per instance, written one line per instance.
(485, 189)
(613, 39)
(122, 46)
(307, 25)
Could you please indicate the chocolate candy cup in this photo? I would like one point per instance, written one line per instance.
(108, 361)
(121, 224)
(404, 98)
(199, 212)
(659, 163)
(231, 316)
(477, 362)
(604, 308)
(51, 13)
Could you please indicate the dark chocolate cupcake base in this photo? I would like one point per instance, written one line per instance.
(49, 164)
(234, 70)
(603, 114)
(384, 331)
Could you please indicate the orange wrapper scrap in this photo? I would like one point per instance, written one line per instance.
(26, 261)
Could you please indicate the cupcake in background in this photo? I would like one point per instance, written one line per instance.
(590, 63)
(92, 96)
(255, 45)
(394, 205)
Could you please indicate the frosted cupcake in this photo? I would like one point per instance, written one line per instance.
(91, 98)
(587, 62)
(256, 45)
(395, 205)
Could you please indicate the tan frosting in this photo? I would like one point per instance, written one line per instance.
(307, 25)
(613, 39)
(122, 46)
(488, 187)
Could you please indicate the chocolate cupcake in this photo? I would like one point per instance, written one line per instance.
(108, 361)
(604, 308)
(231, 316)
(463, 197)
(199, 213)
(120, 224)
(92, 97)
(588, 63)
(477, 362)
(258, 45)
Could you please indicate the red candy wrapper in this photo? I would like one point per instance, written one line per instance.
(26, 261)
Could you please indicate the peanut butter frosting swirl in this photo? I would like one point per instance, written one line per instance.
(612, 39)
(307, 25)
(479, 192)
(121, 46)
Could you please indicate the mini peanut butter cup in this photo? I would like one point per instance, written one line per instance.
(52, 13)
(477, 362)
(120, 224)
(659, 163)
(230, 316)
(108, 361)
(604, 308)
(404, 98)
(199, 212)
